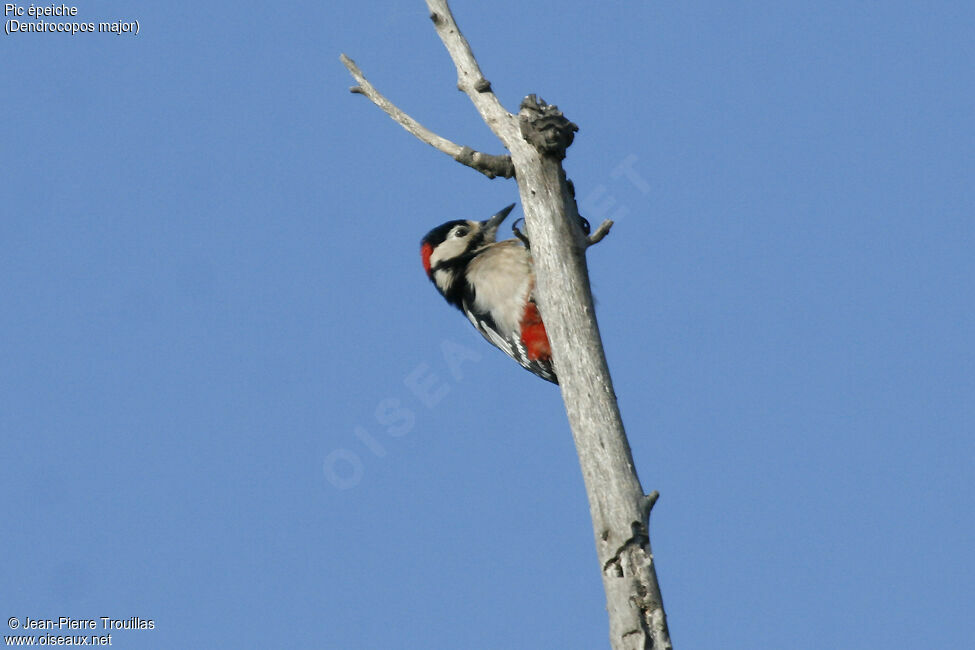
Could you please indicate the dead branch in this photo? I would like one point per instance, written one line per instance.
(489, 165)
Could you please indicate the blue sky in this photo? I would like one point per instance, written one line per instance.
(213, 320)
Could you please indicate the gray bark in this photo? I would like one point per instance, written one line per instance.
(536, 139)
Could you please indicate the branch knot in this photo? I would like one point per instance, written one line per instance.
(545, 128)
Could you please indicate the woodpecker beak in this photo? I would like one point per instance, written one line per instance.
(490, 227)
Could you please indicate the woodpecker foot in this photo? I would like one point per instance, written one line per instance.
(520, 235)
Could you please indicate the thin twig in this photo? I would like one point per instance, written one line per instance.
(489, 165)
(600, 232)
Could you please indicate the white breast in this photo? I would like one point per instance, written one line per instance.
(503, 280)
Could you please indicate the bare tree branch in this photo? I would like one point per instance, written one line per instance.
(469, 77)
(537, 139)
(489, 165)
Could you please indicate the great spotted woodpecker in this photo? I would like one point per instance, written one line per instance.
(493, 283)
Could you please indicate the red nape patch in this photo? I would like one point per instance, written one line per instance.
(533, 334)
(426, 250)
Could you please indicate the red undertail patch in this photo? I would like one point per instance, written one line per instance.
(533, 334)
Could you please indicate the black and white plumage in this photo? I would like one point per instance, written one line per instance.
(493, 284)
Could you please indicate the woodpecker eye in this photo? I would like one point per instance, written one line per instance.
(460, 231)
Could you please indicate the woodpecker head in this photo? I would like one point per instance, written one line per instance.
(449, 247)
